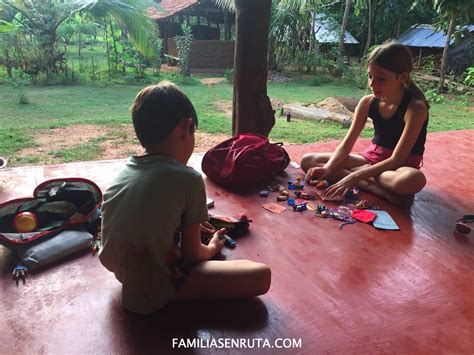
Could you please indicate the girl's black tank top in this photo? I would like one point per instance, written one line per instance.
(387, 132)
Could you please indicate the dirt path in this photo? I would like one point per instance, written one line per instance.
(106, 143)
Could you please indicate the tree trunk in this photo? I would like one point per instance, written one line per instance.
(445, 51)
(114, 42)
(369, 28)
(340, 57)
(397, 28)
(79, 44)
(47, 46)
(252, 110)
(107, 47)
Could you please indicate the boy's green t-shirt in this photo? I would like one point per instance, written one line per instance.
(151, 198)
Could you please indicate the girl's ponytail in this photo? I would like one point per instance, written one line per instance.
(416, 92)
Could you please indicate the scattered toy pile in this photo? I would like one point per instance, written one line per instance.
(351, 210)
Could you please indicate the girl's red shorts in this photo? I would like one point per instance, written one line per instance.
(376, 153)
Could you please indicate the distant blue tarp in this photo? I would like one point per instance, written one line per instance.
(425, 36)
(327, 31)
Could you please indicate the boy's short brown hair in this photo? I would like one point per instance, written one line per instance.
(157, 110)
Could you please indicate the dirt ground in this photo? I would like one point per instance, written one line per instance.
(100, 142)
(115, 142)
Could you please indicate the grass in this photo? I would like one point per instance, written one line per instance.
(80, 152)
(58, 106)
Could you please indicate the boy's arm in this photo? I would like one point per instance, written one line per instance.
(192, 248)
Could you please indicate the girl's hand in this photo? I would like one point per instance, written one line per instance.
(317, 173)
(340, 188)
(216, 241)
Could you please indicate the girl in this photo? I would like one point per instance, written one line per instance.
(399, 110)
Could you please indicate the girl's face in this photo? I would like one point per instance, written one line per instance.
(383, 82)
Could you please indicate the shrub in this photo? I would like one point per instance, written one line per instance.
(229, 75)
(469, 79)
(19, 80)
(316, 81)
(433, 97)
(183, 47)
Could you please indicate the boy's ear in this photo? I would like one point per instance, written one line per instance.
(185, 126)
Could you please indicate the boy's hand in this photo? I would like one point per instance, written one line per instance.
(207, 229)
(217, 242)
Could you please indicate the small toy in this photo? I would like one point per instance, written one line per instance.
(96, 245)
(322, 184)
(307, 196)
(288, 116)
(228, 240)
(19, 272)
(299, 207)
(322, 211)
(282, 198)
(284, 192)
(362, 204)
(313, 182)
(319, 184)
(343, 214)
(290, 202)
(263, 193)
(298, 183)
(25, 222)
(352, 196)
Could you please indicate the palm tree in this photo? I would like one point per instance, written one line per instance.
(42, 20)
(343, 32)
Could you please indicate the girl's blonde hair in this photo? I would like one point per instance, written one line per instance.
(397, 58)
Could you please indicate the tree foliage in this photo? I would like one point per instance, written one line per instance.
(41, 20)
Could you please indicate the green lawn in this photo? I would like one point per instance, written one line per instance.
(56, 106)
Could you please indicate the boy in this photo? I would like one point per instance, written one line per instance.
(153, 211)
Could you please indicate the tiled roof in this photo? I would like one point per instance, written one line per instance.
(170, 7)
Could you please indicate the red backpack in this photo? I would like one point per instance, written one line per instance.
(244, 160)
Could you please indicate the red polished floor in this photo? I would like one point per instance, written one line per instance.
(355, 290)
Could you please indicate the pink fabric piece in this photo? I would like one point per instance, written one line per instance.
(364, 215)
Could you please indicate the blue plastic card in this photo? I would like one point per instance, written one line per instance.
(384, 221)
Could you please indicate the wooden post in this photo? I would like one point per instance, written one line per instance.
(252, 110)
(419, 58)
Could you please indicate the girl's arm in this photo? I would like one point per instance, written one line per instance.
(345, 147)
(416, 115)
(192, 248)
